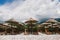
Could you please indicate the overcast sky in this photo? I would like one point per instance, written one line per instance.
(22, 10)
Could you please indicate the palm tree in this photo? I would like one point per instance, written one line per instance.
(20, 27)
(35, 29)
(25, 29)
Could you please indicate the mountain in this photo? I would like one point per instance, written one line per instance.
(1, 21)
(43, 20)
(40, 20)
(58, 19)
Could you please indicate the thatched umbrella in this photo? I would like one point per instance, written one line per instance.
(31, 23)
(53, 24)
(15, 24)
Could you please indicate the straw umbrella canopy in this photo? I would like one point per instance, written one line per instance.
(52, 21)
(45, 25)
(31, 21)
(12, 22)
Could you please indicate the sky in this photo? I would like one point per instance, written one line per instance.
(22, 10)
(2, 2)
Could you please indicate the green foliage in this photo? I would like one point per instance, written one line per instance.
(35, 29)
(58, 19)
(51, 29)
(2, 29)
(26, 26)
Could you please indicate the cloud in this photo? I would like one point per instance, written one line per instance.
(24, 9)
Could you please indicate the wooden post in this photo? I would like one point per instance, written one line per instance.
(46, 30)
(37, 32)
(25, 33)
